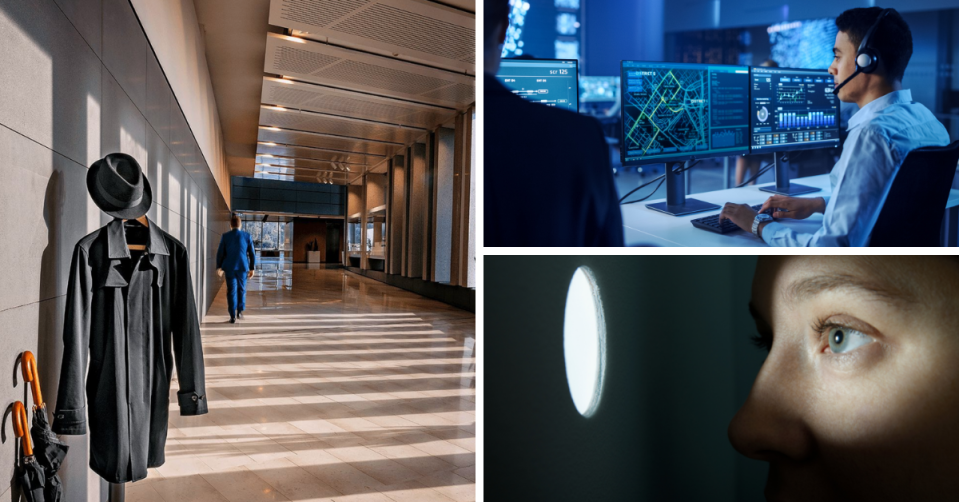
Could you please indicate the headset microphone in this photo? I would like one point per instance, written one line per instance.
(844, 82)
(867, 58)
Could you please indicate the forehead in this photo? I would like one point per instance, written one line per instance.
(842, 41)
(891, 279)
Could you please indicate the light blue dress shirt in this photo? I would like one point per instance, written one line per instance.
(880, 136)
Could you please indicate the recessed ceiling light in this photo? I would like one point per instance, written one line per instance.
(266, 155)
(277, 108)
(284, 80)
(271, 128)
(268, 143)
(295, 39)
(584, 341)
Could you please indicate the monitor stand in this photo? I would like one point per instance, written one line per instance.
(677, 204)
(782, 186)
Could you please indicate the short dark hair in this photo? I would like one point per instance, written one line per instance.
(495, 12)
(235, 221)
(892, 38)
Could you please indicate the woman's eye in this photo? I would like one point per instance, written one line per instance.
(844, 339)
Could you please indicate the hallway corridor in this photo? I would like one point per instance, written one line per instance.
(333, 387)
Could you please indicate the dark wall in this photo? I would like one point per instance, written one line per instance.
(680, 364)
(305, 230)
(611, 36)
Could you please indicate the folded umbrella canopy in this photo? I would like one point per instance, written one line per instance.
(31, 476)
(48, 450)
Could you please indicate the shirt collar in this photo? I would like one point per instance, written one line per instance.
(117, 240)
(879, 104)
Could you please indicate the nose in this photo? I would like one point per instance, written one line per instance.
(771, 425)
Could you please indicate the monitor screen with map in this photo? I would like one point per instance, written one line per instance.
(680, 111)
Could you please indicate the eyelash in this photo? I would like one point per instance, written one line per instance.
(821, 326)
(763, 341)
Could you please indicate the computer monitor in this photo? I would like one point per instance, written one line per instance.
(598, 89)
(676, 112)
(552, 82)
(792, 109)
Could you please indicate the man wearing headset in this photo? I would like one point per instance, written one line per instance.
(872, 49)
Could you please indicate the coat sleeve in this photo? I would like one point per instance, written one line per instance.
(187, 346)
(251, 251)
(220, 253)
(70, 416)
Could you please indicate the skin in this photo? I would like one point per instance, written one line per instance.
(862, 90)
(879, 422)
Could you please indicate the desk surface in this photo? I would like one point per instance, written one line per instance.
(645, 226)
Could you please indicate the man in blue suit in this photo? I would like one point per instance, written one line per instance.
(236, 259)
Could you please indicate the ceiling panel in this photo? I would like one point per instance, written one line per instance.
(317, 140)
(312, 97)
(347, 69)
(319, 164)
(309, 153)
(340, 126)
(415, 30)
(277, 164)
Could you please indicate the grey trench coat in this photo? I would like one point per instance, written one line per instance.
(133, 314)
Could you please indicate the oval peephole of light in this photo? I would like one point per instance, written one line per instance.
(584, 341)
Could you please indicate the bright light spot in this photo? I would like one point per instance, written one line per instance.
(294, 39)
(272, 128)
(584, 341)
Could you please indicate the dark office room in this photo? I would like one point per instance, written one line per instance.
(721, 123)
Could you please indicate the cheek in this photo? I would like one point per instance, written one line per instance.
(889, 401)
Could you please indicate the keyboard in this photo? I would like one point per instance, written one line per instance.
(712, 223)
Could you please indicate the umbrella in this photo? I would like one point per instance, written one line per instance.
(31, 477)
(49, 451)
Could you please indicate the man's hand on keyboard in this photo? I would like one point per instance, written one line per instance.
(797, 208)
(740, 214)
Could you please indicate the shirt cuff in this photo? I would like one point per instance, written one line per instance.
(70, 422)
(770, 230)
(191, 403)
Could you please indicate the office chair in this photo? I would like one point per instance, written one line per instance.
(913, 211)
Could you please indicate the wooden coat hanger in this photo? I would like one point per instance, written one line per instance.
(146, 223)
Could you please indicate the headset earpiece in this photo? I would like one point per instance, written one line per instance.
(867, 59)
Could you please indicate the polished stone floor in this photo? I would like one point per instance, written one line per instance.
(334, 387)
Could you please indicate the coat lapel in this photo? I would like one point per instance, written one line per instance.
(117, 251)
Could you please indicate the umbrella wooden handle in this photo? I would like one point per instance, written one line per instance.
(31, 374)
(20, 428)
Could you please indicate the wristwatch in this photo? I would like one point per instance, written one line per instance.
(760, 218)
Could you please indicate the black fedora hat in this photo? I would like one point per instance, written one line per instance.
(118, 187)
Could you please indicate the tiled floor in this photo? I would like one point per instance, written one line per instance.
(334, 387)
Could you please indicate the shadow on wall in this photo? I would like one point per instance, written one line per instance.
(74, 91)
(679, 365)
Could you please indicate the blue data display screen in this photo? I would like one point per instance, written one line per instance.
(598, 89)
(548, 82)
(793, 109)
(674, 111)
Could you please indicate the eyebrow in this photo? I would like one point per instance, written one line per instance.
(835, 50)
(810, 287)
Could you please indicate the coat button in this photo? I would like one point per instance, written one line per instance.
(194, 397)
